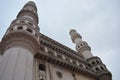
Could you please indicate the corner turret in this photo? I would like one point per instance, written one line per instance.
(81, 46)
(94, 63)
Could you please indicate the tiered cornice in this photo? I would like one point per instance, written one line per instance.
(23, 31)
(58, 47)
(99, 68)
(64, 64)
(58, 54)
(19, 38)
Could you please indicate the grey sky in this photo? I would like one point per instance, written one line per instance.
(97, 21)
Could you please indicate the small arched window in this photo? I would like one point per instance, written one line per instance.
(29, 30)
(97, 61)
(30, 24)
(78, 46)
(93, 63)
(11, 29)
(89, 65)
(22, 21)
(97, 69)
(42, 67)
(81, 44)
(102, 68)
(59, 74)
(20, 27)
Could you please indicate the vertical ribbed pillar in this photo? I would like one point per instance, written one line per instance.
(17, 64)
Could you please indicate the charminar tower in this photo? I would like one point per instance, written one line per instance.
(20, 44)
(28, 54)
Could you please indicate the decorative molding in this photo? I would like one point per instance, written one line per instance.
(51, 44)
(62, 63)
(84, 48)
(59, 47)
(28, 12)
(19, 37)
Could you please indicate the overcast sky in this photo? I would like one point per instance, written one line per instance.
(98, 22)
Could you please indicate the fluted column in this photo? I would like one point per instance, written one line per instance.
(17, 64)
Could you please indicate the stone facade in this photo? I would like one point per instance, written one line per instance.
(28, 54)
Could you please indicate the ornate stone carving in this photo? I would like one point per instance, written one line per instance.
(19, 37)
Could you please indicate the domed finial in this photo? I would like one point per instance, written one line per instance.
(29, 11)
(72, 31)
(74, 35)
(31, 2)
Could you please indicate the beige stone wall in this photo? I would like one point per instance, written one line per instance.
(66, 75)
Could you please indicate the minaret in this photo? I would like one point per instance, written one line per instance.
(81, 46)
(95, 64)
(20, 44)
